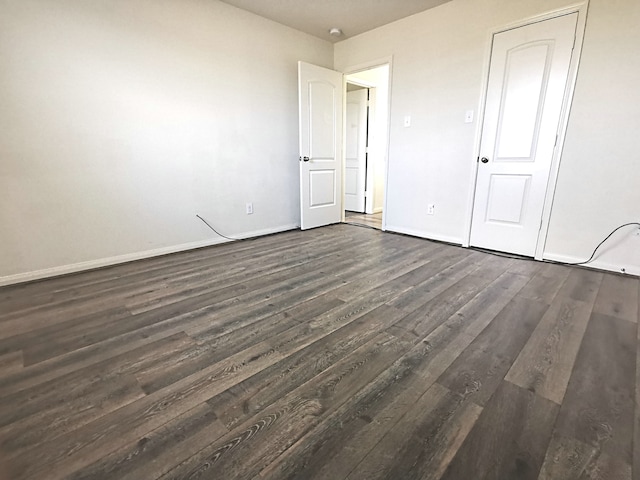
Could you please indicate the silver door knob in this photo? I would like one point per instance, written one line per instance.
(484, 160)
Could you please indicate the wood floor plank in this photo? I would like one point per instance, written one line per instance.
(100, 331)
(392, 316)
(240, 402)
(64, 455)
(583, 285)
(525, 267)
(240, 453)
(217, 275)
(545, 284)
(546, 361)
(422, 444)
(261, 273)
(159, 450)
(30, 339)
(262, 289)
(99, 278)
(190, 322)
(66, 403)
(341, 441)
(618, 297)
(157, 408)
(107, 351)
(11, 363)
(371, 220)
(438, 281)
(598, 408)
(213, 350)
(207, 454)
(483, 365)
(77, 408)
(319, 354)
(243, 313)
(509, 440)
(129, 279)
(444, 259)
(437, 308)
(568, 458)
(36, 398)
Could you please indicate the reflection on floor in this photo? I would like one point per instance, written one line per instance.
(373, 220)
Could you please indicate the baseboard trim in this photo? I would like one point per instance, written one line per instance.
(595, 265)
(423, 234)
(130, 257)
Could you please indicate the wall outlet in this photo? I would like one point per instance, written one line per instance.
(431, 209)
(249, 208)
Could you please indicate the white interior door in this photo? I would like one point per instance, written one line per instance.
(320, 103)
(525, 94)
(355, 150)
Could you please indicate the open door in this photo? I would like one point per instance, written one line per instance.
(355, 176)
(320, 104)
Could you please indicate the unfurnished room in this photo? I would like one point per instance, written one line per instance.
(319, 239)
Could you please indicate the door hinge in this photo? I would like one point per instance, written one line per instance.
(556, 142)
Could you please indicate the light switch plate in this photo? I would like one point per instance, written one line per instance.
(468, 116)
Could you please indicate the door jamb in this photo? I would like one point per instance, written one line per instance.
(582, 10)
(381, 62)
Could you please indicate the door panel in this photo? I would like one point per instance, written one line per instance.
(320, 104)
(526, 74)
(322, 187)
(508, 195)
(355, 150)
(525, 94)
(350, 185)
(322, 127)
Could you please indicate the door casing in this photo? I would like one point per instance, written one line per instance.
(381, 62)
(582, 10)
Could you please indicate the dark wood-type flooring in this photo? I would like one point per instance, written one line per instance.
(336, 353)
(364, 219)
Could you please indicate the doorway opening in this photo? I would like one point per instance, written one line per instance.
(366, 132)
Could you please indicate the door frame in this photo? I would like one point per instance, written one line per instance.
(582, 10)
(380, 62)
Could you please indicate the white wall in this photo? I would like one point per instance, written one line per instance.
(438, 62)
(598, 186)
(121, 120)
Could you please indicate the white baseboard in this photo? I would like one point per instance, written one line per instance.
(423, 234)
(596, 264)
(377, 210)
(130, 257)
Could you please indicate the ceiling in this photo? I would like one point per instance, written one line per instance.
(353, 17)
